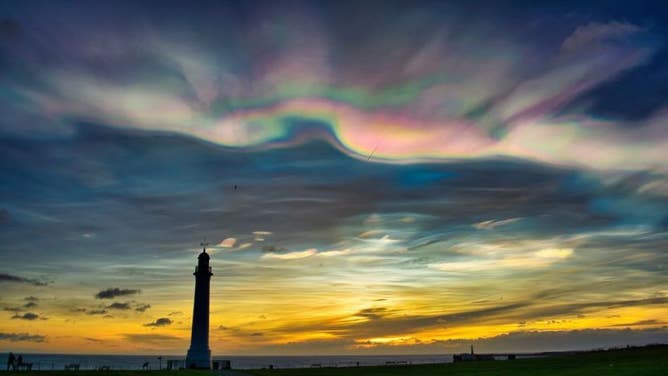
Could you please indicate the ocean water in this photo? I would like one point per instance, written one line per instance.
(128, 362)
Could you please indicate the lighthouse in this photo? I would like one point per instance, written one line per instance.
(199, 353)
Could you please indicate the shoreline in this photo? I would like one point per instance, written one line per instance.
(646, 360)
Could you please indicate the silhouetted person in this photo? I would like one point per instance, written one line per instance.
(19, 361)
(10, 361)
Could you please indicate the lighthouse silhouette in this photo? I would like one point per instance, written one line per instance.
(199, 353)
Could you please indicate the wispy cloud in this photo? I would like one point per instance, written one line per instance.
(491, 224)
(595, 33)
(22, 337)
(538, 259)
(290, 255)
(150, 338)
(651, 322)
(332, 253)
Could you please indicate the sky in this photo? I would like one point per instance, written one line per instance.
(376, 178)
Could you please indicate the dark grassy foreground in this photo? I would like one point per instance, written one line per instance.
(636, 361)
(645, 361)
(109, 373)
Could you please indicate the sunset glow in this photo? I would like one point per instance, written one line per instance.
(383, 177)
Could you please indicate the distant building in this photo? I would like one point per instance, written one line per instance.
(199, 354)
(464, 357)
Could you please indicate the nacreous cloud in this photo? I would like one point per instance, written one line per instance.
(443, 96)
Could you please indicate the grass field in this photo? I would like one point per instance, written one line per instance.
(644, 361)
(641, 361)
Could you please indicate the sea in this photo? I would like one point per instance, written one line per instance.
(135, 362)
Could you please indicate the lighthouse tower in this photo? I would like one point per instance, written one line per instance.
(199, 354)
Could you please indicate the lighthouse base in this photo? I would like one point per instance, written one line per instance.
(198, 359)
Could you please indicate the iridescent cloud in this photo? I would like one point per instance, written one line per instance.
(450, 97)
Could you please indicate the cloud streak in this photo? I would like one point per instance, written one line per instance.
(22, 337)
(115, 292)
(17, 279)
(290, 255)
(119, 306)
(150, 338)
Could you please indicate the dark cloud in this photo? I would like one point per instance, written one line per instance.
(27, 316)
(95, 340)
(31, 299)
(16, 279)
(30, 305)
(120, 306)
(163, 321)
(142, 307)
(95, 311)
(257, 334)
(22, 337)
(372, 313)
(111, 293)
(13, 309)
